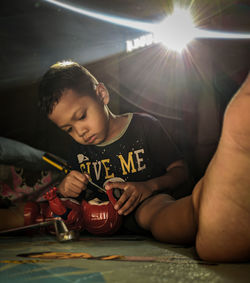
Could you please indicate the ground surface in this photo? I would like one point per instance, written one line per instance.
(115, 259)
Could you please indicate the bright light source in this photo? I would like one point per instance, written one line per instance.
(176, 31)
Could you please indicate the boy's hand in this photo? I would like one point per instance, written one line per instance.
(133, 194)
(73, 184)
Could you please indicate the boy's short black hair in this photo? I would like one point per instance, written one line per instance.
(60, 76)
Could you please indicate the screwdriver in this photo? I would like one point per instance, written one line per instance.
(63, 166)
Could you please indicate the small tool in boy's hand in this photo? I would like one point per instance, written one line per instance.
(94, 184)
(62, 165)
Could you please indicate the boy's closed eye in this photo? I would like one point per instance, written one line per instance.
(68, 130)
(83, 116)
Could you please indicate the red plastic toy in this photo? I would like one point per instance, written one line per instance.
(100, 218)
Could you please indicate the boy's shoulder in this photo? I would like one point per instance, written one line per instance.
(141, 116)
(145, 120)
(147, 123)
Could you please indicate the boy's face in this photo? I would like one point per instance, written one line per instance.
(85, 118)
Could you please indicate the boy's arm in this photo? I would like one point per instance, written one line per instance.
(176, 174)
(136, 192)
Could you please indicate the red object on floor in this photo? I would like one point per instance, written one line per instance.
(101, 218)
(68, 209)
(31, 212)
(55, 203)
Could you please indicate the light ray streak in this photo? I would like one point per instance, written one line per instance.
(201, 33)
(111, 19)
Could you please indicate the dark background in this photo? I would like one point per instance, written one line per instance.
(187, 93)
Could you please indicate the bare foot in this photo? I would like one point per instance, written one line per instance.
(224, 207)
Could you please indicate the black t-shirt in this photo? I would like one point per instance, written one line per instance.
(141, 152)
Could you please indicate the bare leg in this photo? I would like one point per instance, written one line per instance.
(224, 207)
(168, 220)
(217, 215)
(147, 211)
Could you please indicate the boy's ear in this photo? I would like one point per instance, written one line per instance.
(102, 93)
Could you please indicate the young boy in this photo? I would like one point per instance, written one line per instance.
(131, 152)
(217, 214)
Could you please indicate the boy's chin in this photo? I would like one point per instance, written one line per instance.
(97, 141)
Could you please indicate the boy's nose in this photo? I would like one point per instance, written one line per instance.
(80, 131)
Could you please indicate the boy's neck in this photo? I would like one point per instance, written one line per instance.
(117, 123)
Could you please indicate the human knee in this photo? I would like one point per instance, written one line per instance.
(210, 249)
(159, 234)
(204, 249)
(220, 239)
(147, 212)
(176, 223)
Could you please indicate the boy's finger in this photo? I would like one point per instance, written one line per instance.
(77, 183)
(115, 185)
(128, 206)
(75, 188)
(80, 177)
(70, 192)
(120, 202)
(130, 209)
(73, 194)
